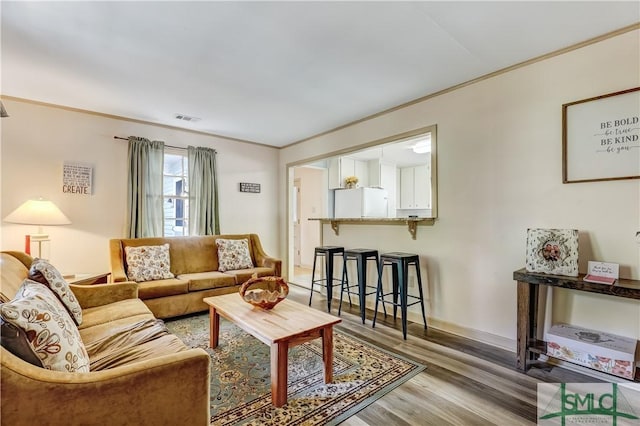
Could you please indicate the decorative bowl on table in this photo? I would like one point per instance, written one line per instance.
(264, 292)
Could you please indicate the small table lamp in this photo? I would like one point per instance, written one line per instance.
(37, 212)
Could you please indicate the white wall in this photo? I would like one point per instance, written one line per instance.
(37, 139)
(499, 173)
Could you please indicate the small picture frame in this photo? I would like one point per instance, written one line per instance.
(552, 251)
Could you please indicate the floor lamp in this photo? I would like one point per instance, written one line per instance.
(41, 213)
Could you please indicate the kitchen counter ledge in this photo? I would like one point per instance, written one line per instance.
(411, 222)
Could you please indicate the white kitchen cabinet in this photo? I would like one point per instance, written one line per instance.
(347, 168)
(342, 167)
(415, 187)
(361, 171)
(333, 173)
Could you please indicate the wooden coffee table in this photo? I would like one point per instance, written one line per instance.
(287, 325)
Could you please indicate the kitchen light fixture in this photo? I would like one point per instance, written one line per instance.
(423, 145)
(37, 212)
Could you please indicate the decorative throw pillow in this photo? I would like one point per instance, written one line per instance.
(233, 254)
(44, 272)
(147, 263)
(14, 339)
(48, 326)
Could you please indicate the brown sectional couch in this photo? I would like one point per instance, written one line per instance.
(160, 381)
(194, 262)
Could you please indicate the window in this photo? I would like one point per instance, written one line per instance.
(175, 189)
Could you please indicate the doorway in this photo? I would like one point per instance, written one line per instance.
(308, 200)
(296, 223)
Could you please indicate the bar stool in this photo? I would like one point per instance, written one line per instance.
(361, 256)
(328, 252)
(400, 268)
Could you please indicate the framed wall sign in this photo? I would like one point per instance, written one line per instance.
(601, 138)
(77, 178)
(250, 187)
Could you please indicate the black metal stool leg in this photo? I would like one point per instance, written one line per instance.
(362, 285)
(345, 278)
(313, 277)
(424, 315)
(394, 271)
(379, 295)
(346, 275)
(329, 276)
(384, 308)
(403, 284)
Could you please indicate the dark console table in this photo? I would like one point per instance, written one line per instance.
(529, 287)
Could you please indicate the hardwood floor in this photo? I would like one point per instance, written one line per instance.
(465, 382)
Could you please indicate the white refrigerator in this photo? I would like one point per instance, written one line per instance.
(360, 202)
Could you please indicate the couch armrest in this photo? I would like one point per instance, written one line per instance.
(272, 262)
(90, 296)
(170, 389)
(262, 259)
(116, 259)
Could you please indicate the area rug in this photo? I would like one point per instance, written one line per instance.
(241, 384)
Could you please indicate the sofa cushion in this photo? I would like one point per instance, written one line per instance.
(44, 272)
(113, 312)
(207, 280)
(193, 254)
(161, 288)
(233, 254)
(49, 328)
(243, 275)
(131, 342)
(148, 263)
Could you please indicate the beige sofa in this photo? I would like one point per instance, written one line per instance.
(194, 262)
(161, 381)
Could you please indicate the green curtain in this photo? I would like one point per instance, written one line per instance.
(146, 216)
(203, 192)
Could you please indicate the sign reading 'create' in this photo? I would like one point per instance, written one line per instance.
(77, 178)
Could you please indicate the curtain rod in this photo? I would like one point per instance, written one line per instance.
(168, 146)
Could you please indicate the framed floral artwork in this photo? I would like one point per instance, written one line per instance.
(552, 251)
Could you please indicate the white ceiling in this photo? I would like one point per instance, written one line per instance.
(275, 72)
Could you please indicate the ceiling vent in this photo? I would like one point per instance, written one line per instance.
(187, 118)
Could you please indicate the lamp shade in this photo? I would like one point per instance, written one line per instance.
(38, 212)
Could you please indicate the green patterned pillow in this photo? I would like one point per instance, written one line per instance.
(50, 331)
(147, 263)
(44, 272)
(233, 254)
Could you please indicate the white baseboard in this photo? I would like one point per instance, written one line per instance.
(469, 333)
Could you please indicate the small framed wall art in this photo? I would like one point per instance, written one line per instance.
(552, 251)
(250, 187)
(601, 138)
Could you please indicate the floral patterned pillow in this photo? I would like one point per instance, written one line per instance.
(44, 272)
(15, 340)
(50, 331)
(147, 263)
(233, 254)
